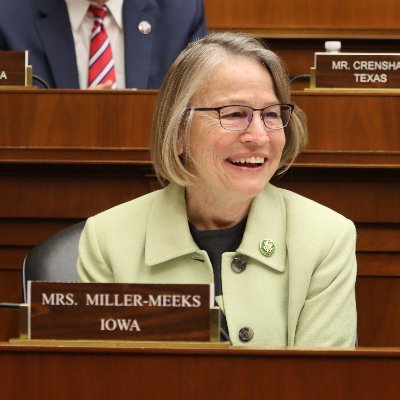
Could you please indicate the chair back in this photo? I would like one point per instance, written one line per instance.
(54, 259)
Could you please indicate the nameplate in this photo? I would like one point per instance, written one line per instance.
(13, 68)
(356, 70)
(101, 311)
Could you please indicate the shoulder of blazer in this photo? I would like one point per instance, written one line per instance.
(303, 209)
(137, 206)
(313, 228)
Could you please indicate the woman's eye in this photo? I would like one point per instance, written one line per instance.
(271, 115)
(234, 114)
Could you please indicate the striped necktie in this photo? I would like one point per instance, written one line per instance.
(101, 62)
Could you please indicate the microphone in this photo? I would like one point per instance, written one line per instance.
(40, 80)
(10, 305)
(303, 78)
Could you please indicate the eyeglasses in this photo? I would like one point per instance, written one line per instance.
(238, 118)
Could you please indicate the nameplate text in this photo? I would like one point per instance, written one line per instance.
(119, 311)
(356, 70)
(13, 68)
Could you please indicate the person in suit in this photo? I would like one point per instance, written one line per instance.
(146, 36)
(284, 266)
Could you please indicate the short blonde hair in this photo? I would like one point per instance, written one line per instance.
(171, 123)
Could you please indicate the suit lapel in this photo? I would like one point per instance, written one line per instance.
(138, 47)
(55, 32)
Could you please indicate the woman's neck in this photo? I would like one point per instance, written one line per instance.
(208, 212)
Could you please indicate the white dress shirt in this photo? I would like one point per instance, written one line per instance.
(82, 22)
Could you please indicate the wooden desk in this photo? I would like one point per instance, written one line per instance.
(197, 373)
(347, 128)
(62, 162)
(297, 29)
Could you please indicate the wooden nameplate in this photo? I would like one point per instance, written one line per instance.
(356, 71)
(111, 311)
(14, 70)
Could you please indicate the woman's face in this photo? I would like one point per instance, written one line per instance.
(238, 163)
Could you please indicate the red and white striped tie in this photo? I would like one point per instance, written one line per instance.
(101, 62)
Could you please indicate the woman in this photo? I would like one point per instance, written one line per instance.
(223, 126)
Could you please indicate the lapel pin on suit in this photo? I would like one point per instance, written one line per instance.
(144, 27)
(267, 247)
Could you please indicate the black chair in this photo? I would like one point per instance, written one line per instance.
(54, 259)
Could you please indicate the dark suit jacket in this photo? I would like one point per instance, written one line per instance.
(42, 27)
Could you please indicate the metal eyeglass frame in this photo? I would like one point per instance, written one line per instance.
(218, 110)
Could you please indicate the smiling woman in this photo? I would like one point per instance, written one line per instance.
(223, 126)
(224, 187)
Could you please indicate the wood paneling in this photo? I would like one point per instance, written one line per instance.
(342, 129)
(362, 121)
(71, 191)
(178, 373)
(63, 164)
(378, 317)
(297, 29)
(371, 16)
(74, 119)
(363, 195)
(10, 291)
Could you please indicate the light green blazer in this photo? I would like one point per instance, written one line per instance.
(302, 295)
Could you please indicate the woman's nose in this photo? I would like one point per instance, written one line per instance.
(256, 131)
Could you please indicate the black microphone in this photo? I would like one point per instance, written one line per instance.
(40, 80)
(10, 305)
(302, 78)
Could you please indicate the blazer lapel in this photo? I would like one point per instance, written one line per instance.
(168, 235)
(266, 220)
(138, 47)
(56, 34)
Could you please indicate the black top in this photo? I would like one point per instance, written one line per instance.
(215, 243)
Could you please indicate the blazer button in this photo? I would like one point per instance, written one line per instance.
(246, 334)
(238, 264)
